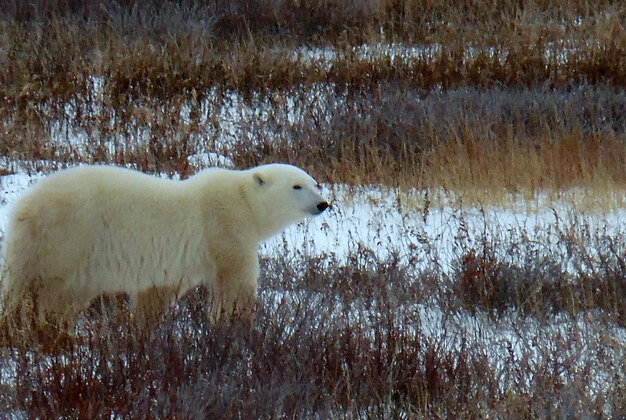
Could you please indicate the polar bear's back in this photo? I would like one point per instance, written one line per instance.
(103, 229)
(80, 200)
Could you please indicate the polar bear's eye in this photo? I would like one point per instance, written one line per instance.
(297, 187)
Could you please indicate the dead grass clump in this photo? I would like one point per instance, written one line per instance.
(581, 274)
(364, 345)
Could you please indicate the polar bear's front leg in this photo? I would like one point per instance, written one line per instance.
(234, 290)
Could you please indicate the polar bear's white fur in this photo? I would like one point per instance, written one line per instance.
(93, 230)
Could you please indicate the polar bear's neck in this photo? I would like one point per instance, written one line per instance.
(260, 213)
(232, 199)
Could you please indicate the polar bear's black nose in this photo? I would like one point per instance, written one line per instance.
(322, 206)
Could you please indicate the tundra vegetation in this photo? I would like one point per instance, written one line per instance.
(482, 100)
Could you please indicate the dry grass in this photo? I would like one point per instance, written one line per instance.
(514, 98)
(361, 338)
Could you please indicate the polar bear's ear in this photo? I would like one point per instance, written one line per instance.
(258, 179)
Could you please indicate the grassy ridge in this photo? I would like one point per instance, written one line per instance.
(460, 139)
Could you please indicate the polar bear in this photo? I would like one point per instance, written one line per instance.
(96, 230)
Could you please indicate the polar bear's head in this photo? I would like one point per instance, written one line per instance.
(286, 195)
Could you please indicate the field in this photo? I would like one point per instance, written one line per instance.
(474, 262)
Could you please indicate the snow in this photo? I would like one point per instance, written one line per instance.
(10, 188)
(376, 219)
(556, 52)
(203, 160)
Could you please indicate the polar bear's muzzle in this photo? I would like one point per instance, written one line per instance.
(321, 206)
